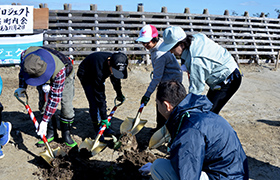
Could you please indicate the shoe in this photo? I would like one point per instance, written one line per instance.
(6, 138)
(109, 132)
(1, 153)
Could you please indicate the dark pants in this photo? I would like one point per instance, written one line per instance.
(160, 119)
(93, 108)
(220, 97)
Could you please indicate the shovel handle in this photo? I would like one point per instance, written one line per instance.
(141, 108)
(35, 122)
(20, 100)
(102, 129)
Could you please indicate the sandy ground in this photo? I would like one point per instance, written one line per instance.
(253, 112)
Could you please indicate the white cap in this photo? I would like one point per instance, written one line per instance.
(147, 33)
(171, 36)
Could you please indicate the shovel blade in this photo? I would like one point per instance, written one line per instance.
(159, 137)
(126, 125)
(132, 125)
(138, 127)
(97, 147)
(48, 157)
(86, 144)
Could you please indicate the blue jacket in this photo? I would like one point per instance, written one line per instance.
(204, 141)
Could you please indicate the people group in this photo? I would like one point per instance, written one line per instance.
(203, 145)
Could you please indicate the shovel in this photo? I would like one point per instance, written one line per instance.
(95, 146)
(159, 137)
(49, 154)
(132, 126)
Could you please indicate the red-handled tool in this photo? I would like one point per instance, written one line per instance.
(50, 154)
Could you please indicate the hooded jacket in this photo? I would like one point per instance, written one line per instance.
(204, 141)
(207, 63)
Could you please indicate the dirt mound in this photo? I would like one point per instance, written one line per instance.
(76, 164)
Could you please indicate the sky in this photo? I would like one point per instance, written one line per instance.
(215, 7)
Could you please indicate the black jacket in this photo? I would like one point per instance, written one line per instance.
(94, 70)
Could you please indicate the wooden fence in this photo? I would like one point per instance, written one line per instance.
(78, 33)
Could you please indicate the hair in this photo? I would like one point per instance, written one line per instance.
(155, 40)
(172, 91)
(187, 42)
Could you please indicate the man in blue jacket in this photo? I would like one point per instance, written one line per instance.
(201, 141)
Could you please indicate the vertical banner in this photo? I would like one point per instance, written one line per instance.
(16, 19)
(12, 47)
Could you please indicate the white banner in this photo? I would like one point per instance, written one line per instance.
(12, 47)
(16, 19)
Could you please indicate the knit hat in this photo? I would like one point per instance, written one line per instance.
(147, 33)
(38, 67)
(171, 36)
(119, 64)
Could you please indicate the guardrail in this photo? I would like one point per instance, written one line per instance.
(78, 33)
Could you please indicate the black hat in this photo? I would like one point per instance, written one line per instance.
(119, 64)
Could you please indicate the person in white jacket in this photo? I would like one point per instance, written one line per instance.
(165, 65)
(206, 63)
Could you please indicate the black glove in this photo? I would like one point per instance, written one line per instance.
(120, 98)
(145, 100)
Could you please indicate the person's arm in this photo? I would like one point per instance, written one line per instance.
(55, 94)
(197, 77)
(187, 154)
(157, 75)
(116, 85)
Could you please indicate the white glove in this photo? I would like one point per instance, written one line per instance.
(145, 170)
(42, 129)
(19, 92)
(46, 88)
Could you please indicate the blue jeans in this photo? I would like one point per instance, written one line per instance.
(2, 127)
(163, 169)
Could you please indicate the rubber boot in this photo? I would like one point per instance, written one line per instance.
(51, 133)
(66, 125)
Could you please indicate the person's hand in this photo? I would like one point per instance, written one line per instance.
(20, 92)
(145, 100)
(146, 169)
(105, 121)
(120, 98)
(43, 128)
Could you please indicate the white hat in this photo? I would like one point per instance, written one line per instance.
(147, 33)
(171, 36)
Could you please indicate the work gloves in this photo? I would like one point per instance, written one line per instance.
(146, 169)
(20, 92)
(120, 98)
(105, 121)
(43, 129)
(145, 100)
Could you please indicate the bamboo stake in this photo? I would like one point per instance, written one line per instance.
(277, 61)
